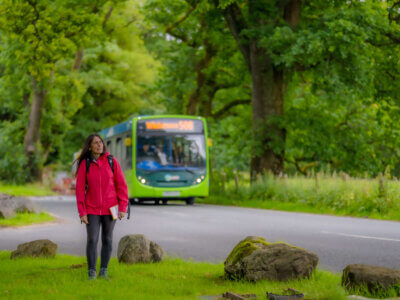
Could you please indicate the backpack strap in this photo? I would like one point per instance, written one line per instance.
(110, 159)
(87, 160)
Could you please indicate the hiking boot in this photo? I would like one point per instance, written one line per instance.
(103, 273)
(92, 274)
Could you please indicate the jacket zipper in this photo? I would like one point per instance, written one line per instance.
(101, 197)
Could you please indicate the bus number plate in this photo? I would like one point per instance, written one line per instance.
(171, 194)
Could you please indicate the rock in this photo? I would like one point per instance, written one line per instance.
(136, 248)
(38, 248)
(374, 278)
(156, 252)
(9, 205)
(255, 259)
(25, 205)
(7, 208)
(5, 197)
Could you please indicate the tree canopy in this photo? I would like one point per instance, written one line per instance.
(285, 85)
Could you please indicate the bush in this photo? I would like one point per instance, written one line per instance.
(12, 156)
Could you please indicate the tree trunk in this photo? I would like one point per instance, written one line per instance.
(267, 103)
(78, 60)
(33, 131)
(268, 82)
(202, 90)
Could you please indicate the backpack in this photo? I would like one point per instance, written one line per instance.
(110, 159)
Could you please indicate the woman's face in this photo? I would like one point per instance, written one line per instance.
(96, 146)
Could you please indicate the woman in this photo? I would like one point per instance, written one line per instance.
(97, 190)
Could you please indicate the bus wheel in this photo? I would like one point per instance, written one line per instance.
(190, 201)
(164, 202)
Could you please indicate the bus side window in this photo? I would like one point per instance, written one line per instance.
(118, 149)
(128, 152)
(108, 143)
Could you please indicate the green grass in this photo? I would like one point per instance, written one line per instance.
(171, 279)
(33, 189)
(337, 195)
(21, 219)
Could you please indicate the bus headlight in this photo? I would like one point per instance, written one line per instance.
(143, 180)
(198, 180)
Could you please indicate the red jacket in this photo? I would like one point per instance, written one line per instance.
(105, 188)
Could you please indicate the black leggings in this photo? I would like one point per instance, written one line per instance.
(93, 228)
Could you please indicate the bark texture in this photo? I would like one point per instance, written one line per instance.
(268, 84)
(33, 131)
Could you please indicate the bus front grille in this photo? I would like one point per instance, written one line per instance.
(172, 182)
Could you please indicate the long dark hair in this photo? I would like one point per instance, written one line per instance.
(85, 152)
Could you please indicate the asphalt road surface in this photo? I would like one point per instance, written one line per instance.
(208, 233)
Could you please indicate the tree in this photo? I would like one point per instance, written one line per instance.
(202, 71)
(37, 34)
(115, 76)
(330, 42)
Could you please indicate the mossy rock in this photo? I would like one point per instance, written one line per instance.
(375, 280)
(244, 248)
(37, 248)
(255, 259)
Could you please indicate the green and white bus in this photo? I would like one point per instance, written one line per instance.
(163, 157)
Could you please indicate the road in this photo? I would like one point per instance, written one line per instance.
(208, 233)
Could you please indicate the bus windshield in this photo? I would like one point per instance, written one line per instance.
(170, 152)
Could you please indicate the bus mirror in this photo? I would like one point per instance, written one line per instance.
(209, 142)
(128, 142)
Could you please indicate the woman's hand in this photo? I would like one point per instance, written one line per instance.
(121, 214)
(84, 219)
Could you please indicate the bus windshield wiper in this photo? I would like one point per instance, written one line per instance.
(187, 170)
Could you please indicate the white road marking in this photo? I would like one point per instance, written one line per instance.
(361, 236)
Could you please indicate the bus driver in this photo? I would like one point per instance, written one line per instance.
(145, 154)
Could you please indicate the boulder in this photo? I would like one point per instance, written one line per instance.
(24, 205)
(136, 248)
(7, 208)
(255, 259)
(156, 252)
(9, 205)
(374, 278)
(38, 248)
(5, 196)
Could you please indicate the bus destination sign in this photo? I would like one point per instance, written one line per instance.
(182, 125)
(170, 125)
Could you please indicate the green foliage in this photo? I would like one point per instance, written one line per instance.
(114, 76)
(199, 57)
(349, 134)
(12, 156)
(109, 86)
(41, 32)
(231, 148)
(341, 64)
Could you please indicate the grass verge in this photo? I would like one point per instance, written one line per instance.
(373, 198)
(21, 219)
(32, 189)
(295, 207)
(171, 279)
